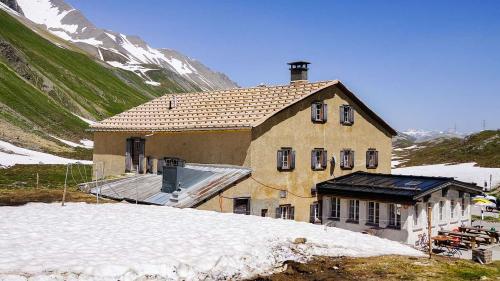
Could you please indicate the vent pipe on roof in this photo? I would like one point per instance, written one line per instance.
(298, 71)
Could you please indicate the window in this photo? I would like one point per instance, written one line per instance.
(335, 211)
(371, 158)
(416, 215)
(319, 112)
(441, 210)
(319, 158)
(462, 206)
(263, 213)
(347, 159)
(353, 211)
(285, 212)
(373, 213)
(452, 208)
(315, 215)
(241, 206)
(346, 115)
(286, 159)
(395, 216)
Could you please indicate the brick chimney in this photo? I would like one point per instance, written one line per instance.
(298, 70)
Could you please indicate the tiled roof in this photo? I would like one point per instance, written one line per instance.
(224, 109)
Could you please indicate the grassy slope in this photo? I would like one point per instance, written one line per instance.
(386, 268)
(483, 148)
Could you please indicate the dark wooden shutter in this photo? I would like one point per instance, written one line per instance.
(341, 110)
(320, 210)
(292, 213)
(311, 213)
(277, 214)
(342, 164)
(279, 159)
(313, 110)
(325, 112)
(368, 165)
(351, 115)
(351, 159)
(313, 159)
(128, 156)
(142, 148)
(376, 158)
(292, 159)
(324, 160)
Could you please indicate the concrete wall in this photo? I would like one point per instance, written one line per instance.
(410, 230)
(257, 149)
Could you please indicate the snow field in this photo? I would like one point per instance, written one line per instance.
(129, 242)
(11, 155)
(466, 172)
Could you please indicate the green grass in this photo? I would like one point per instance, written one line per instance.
(482, 148)
(50, 176)
(485, 218)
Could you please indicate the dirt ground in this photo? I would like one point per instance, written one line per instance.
(16, 197)
(386, 268)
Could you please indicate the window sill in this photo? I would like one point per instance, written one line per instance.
(346, 124)
(418, 229)
(368, 167)
(372, 224)
(352, 221)
(333, 219)
(443, 224)
(394, 227)
(453, 222)
(319, 121)
(346, 168)
(319, 169)
(285, 170)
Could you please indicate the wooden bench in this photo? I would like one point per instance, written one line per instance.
(463, 236)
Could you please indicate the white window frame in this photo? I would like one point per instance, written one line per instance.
(416, 214)
(335, 208)
(353, 211)
(452, 208)
(373, 209)
(394, 215)
(462, 206)
(318, 111)
(285, 212)
(348, 111)
(441, 210)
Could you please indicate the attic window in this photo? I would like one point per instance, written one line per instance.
(319, 111)
(346, 115)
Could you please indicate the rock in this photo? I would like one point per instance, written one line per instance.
(300, 240)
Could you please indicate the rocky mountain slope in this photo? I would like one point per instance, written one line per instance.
(482, 148)
(50, 88)
(119, 50)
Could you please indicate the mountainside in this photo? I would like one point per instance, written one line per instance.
(482, 148)
(123, 51)
(46, 85)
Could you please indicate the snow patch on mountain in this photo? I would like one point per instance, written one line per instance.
(48, 14)
(420, 135)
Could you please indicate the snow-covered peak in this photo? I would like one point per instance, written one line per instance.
(420, 135)
(119, 50)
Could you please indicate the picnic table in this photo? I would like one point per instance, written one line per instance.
(493, 234)
(450, 244)
(470, 237)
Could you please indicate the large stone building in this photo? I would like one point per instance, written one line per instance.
(289, 137)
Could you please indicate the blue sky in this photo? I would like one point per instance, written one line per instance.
(420, 64)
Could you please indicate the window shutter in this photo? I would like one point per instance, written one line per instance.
(292, 159)
(341, 110)
(351, 160)
(277, 214)
(292, 213)
(279, 159)
(313, 113)
(342, 164)
(376, 158)
(368, 159)
(351, 115)
(128, 157)
(142, 148)
(320, 210)
(311, 213)
(325, 112)
(313, 160)
(325, 159)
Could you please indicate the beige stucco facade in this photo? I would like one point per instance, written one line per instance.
(256, 148)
